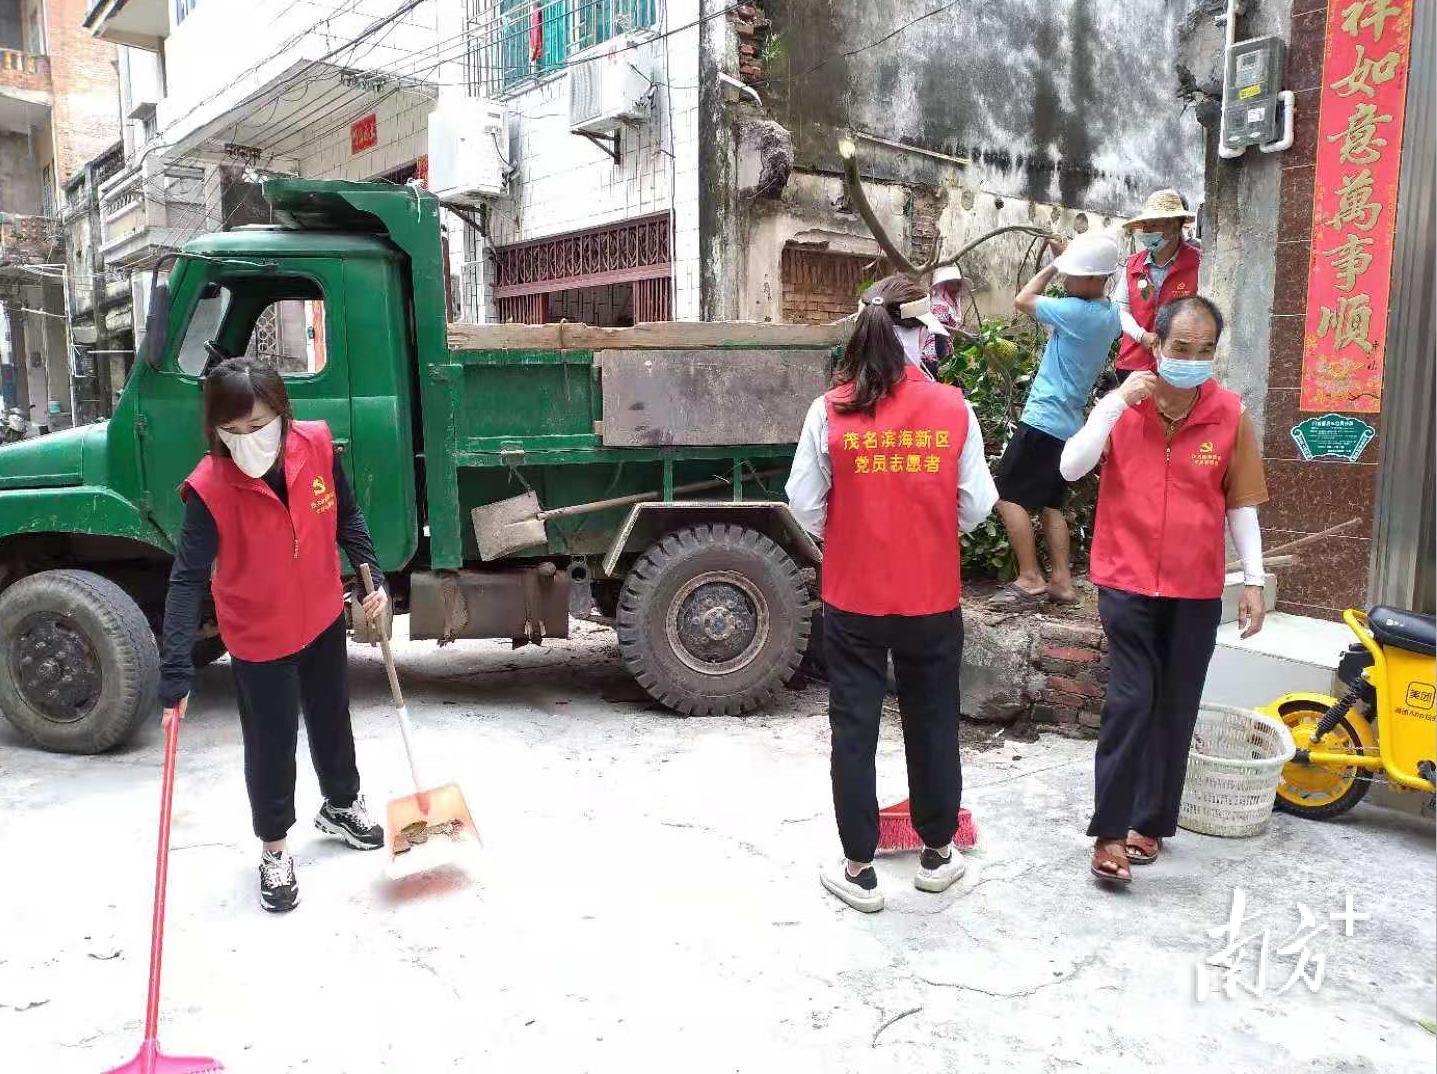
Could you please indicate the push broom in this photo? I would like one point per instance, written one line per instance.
(426, 828)
(149, 1059)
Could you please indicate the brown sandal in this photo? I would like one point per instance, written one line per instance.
(1110, 862)
(1142, 849)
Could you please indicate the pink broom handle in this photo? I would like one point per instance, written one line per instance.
(162, 869)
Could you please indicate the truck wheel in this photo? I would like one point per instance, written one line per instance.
(713, 620)
(79, 670)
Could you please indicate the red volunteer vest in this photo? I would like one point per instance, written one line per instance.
(1144, 299)
(276, 582)
(891, 538)
(1161, 506)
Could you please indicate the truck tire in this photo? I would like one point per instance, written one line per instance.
(79, 670)
(713, 620)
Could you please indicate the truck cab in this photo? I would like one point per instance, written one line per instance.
(440, 437)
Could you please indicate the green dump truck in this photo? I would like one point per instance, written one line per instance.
(509, 473)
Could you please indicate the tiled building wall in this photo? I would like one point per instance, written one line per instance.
(1308, 497)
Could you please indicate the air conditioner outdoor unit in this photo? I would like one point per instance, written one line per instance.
(466, 155)
(609, 84)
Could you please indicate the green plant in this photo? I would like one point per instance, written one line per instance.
(995, 371)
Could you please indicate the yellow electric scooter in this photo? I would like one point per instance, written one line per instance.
(1391, 677)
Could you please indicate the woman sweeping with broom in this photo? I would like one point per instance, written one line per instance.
(889, 469)
(268, 510)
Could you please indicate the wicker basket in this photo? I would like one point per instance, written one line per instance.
(1233, 768)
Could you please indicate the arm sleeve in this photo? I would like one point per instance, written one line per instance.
(812, 473)
(1247, 539)
(189, 582)
(1085, 447)
(1131, 328)
(353, 535)
(976, 492)
(1048, 311)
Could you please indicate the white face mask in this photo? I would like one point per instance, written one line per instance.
(254, 453)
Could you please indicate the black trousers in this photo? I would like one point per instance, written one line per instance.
(927, 656)
(1160, 648)
(272, 693)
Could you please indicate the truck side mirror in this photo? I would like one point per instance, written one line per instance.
(157, 325)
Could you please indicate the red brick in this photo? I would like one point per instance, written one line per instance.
(1062, 700)
(1071, 655)
(1075, 686)
(1072, 634)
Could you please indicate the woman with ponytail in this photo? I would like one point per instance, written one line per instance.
(889, 470)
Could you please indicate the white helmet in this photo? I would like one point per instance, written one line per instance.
(1094, 253)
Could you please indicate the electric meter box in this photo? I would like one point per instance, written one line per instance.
(1250, 89)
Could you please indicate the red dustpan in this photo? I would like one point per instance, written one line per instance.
(150, 1060)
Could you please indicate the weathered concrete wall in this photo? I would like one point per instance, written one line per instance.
(19, 175)
(1068, 101)
(1240, 210)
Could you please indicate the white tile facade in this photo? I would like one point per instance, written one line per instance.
(564, 183)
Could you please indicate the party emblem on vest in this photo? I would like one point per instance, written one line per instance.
(1206, 455)
(323, 498)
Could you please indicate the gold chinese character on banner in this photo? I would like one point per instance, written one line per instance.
(913, 464)
(1354, 202)
(1350, 323)
(923, 439)
(940, 438)
(890, 438)
(931, 463)
(850, 441)
(905, 438)
(870, 440)
(1360, 144)
(860, 464)
(1366, 73)
(880, 464)
(1357, 16)
(1350, 260)
(895, 464)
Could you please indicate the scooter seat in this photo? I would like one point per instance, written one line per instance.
(1412, 631)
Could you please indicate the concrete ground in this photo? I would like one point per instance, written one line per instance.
(648, 900)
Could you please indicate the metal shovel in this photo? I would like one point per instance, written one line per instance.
(431, 826)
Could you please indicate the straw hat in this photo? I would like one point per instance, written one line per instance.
(1161, 206)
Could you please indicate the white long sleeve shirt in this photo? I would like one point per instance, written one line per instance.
(1084, 450)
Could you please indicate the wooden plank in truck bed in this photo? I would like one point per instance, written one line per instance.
(708, 396)
(656, 335)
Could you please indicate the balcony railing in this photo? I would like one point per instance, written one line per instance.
(26, 70)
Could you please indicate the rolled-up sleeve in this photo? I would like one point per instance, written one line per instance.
(812, 475)
(976, 492)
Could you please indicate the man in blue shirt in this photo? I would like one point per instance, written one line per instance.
(1082, 325)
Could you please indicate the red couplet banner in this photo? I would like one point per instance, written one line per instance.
(1354, 205)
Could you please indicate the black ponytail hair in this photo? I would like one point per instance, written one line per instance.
(872, 361)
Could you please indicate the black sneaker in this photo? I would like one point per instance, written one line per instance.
(860, 892)
(278, 889)
(352, 823)
(937, 870)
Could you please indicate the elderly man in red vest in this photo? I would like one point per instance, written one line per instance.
(1165, 267)
(889, 469)
(1180, 459)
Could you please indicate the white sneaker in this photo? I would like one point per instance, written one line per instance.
(860, 892)
(936, 872)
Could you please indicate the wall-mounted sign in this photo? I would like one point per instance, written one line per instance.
(364, 134)
(1354, 205)
(1332, 436)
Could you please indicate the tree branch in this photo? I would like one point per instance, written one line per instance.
(848, 152)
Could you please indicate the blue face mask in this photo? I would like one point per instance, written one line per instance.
(1185, 372)
(1152, 240)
